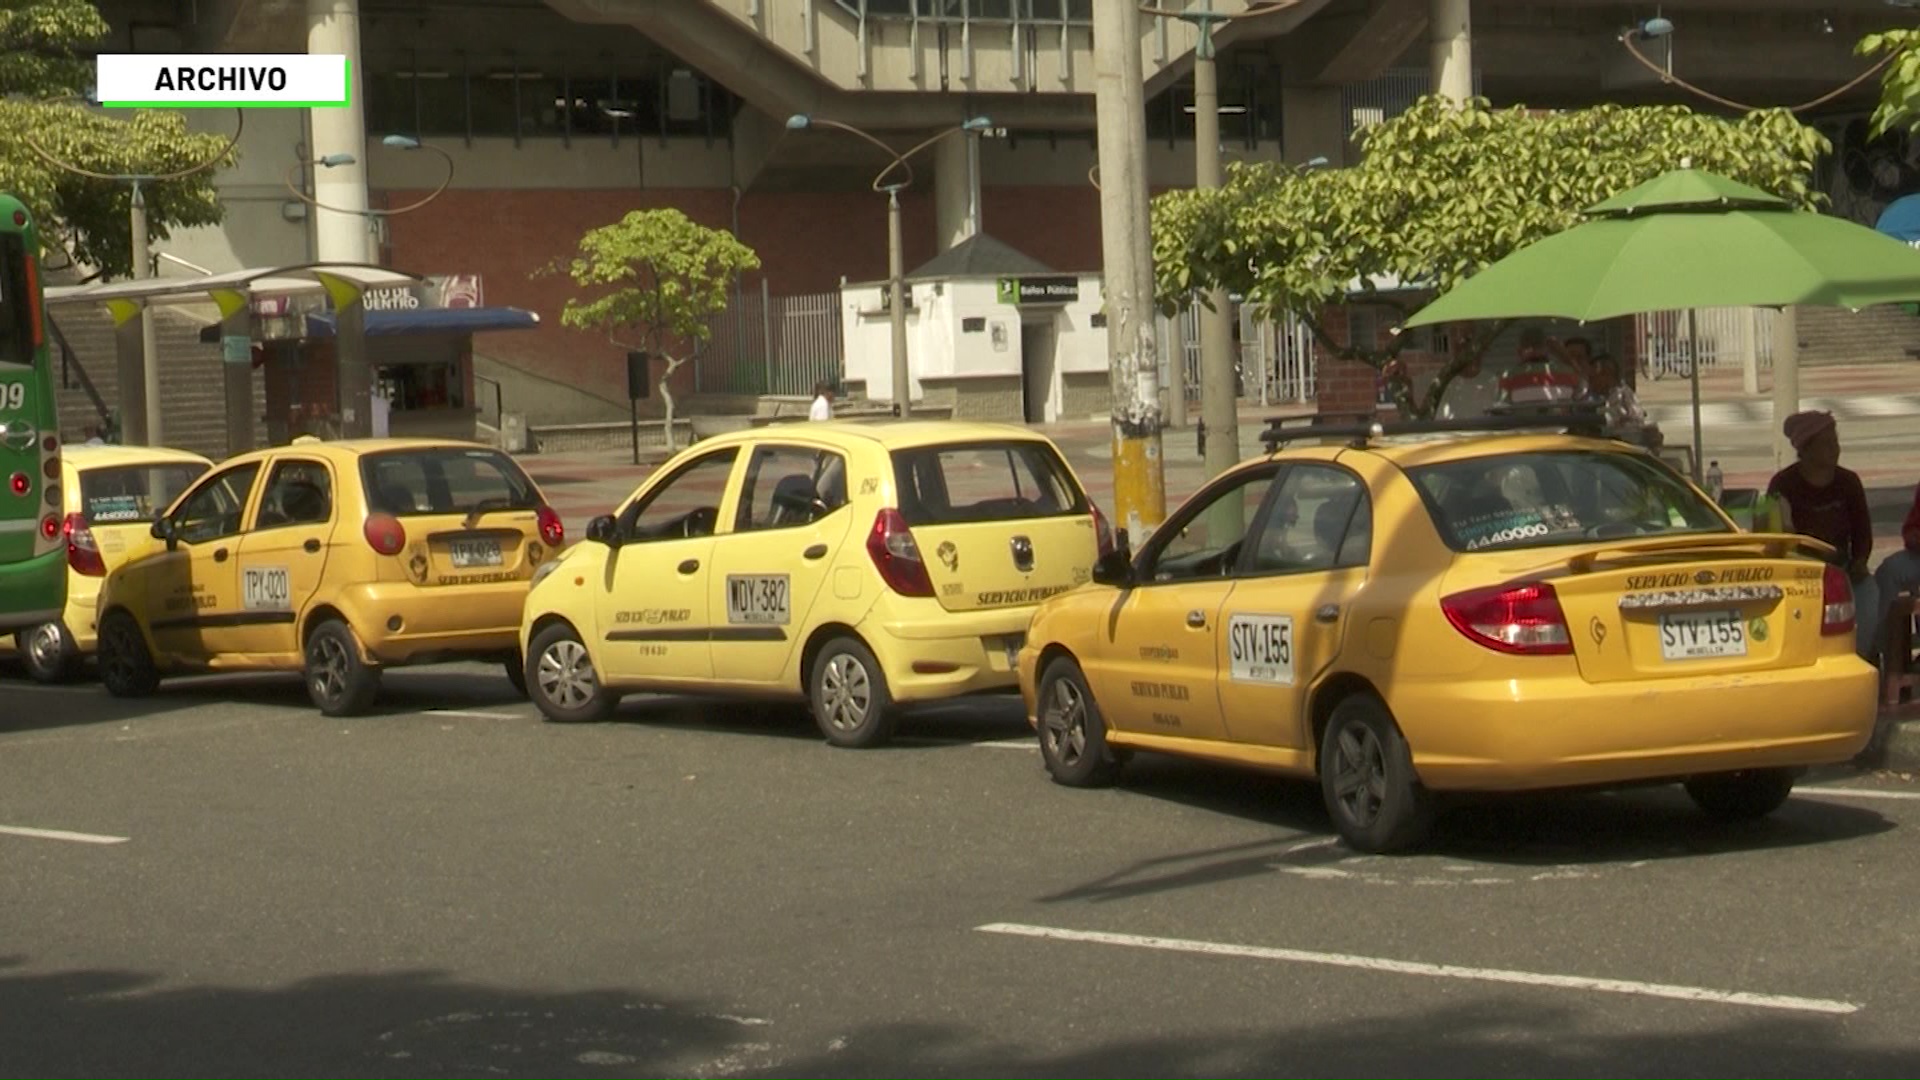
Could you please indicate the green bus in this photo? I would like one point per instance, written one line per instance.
(33, 548)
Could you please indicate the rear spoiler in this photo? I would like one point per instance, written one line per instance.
(1771, 545)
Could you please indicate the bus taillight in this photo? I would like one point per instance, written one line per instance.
(21, 483)
(50, 527)
(83, 554)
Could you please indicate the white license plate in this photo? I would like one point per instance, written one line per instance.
(1702, 635)
(759, 599)
(466, 553)
(266, 588)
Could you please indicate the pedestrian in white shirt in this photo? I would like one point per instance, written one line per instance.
(822, 402)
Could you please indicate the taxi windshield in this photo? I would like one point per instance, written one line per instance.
(1505, 501)
(445, 480)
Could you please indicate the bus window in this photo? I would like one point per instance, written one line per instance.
(18, 340)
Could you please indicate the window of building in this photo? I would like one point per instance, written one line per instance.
(422, 386)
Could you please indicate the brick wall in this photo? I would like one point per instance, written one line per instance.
(1348, 386)
(1839, 336)
(192, 378)
(807, 242)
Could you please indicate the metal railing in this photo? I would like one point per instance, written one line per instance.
(766, 344)
(71, 368)
(961, 12)
(178, 261)
(1276, 358)
(1719, 337)
(499, 400)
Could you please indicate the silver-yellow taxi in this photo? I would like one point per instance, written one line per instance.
(857, 566)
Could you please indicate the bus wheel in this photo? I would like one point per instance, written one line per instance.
(49, 652)
(126, 664)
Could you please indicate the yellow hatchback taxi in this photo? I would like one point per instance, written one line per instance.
(1485, 612)
(857, 566)
(112, 494)
(334, 559)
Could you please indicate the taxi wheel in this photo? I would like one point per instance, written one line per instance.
(848, 691)
(338, 681)
(1367, 778)
(560, 679)
(1741, 796)
(49, 652)
(1073, 734)
(126, 664)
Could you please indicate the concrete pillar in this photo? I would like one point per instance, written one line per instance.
(130, 368)
(1451, 22)
(956, 189)
(1310, 118)
(333, 26)
(1786, 382)
(236, 367)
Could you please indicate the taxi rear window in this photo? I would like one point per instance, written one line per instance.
(986, 481)
(1507, 501)
(453, 480)
(124, 493)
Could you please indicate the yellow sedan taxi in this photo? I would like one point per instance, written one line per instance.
(857, 566)
(112, 494)
(334, 559)
(1500, 611)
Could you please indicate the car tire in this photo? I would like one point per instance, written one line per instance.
(1741, 796)
(339, 682)
(1377, 802)
(560, 678)
(848, 692)
(1073, 733)
(49, 652)
(127, 669)
(516, 670)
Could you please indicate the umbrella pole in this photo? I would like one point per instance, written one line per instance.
(1693, 365)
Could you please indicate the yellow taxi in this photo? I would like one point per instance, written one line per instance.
(857, 566)
(1414, 609)
(334, 559)
(111, 495)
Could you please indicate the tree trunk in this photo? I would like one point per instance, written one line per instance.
(666, 395)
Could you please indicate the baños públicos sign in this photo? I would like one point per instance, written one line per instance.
(1038, 290)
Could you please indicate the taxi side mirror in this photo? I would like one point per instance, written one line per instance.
(1115, 567)
(604, 530)
(163, 530)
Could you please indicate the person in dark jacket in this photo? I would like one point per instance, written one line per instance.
(1828, 502)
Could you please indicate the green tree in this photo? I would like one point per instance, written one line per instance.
(1440, 192)
(40, 59)
(1899, 106)
(665, 277)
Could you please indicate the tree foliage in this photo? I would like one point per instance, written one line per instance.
(1440, 192)
(662, 276)
(40, 59)
(1899, 106)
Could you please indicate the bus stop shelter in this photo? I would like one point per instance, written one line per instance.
(233, 294)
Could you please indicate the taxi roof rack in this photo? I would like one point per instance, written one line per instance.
(1570, 417)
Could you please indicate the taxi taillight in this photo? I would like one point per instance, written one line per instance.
(83, 553)
(896, 555)
(384, 533)
(1836, 602)
(553, 532)
(1526, 620)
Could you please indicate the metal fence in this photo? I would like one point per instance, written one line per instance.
(1722, 337)
(1276, 361)
(765, 344)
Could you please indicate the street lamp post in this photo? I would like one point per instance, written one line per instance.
(142, 426)
(896, 254)
(1219, 397)
(353, 384)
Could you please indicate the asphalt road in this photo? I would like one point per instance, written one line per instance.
(238, 886)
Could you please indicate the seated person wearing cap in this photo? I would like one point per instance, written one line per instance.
(1900, 571)
(1827, 502)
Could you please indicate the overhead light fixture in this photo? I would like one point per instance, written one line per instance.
(420, 75)
(619, 109)
(1224, 110)
(508, 74)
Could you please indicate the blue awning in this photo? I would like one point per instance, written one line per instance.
(1901, 219)
(431, 321)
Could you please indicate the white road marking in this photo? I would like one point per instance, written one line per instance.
(1857, 793)
(1444, 971)
(61, 834)
(475, 714)
(1010, 744)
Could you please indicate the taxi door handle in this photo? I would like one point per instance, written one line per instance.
(219, 554)
(815, 552)
(311, 546)
(1328, 613)
(1197, 619)
(689, 566)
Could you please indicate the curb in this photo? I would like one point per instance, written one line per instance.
(1903, 748)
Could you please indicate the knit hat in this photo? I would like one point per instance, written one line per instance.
(1803, 427)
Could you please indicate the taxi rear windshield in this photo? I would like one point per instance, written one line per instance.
(125, 493)
(454, 480)
(1508, 501)
(986, 481)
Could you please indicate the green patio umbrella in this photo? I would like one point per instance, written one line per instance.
(1687, 239)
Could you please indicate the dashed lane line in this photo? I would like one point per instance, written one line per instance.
(62, 834)
(475, 714)
(1857, 793)
(1440, 971)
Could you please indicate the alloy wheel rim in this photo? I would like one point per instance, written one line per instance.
(846, 691)
(1065, 723)
(566, 675)
(44, 646)
(330, 674)
(1359, 775)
